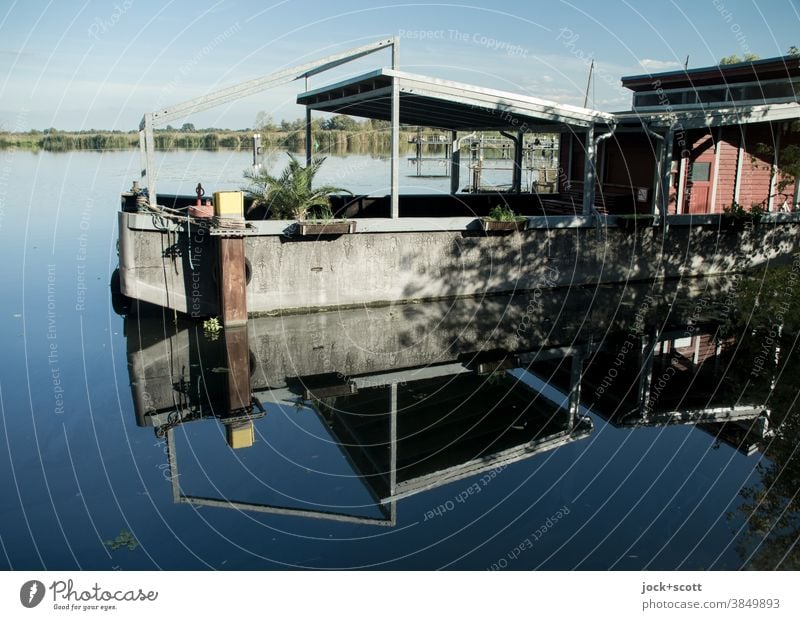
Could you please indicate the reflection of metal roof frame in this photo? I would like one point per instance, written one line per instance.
(694, 416)
(179, 497)
(386, 496)
(582, 429)
(388, 487)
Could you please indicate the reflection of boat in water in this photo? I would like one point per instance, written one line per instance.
(402, 431)
(416, 396)
(667, 377)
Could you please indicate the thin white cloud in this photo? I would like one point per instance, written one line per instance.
(659, 65)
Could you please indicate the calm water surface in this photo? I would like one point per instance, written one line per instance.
(438, 435)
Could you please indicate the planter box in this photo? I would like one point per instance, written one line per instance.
(503, 226)
(316, 229)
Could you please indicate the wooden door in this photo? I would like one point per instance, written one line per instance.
(698, 186)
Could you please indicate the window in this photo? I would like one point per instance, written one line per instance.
(648, 99)
(765, 91)
(778, 90)
(760, 92)
(701, 171)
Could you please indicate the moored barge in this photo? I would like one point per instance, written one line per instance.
(652, 193)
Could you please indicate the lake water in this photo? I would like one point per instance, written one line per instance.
(435, 435)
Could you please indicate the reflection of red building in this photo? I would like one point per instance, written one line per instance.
(693, 349)
(726, 126)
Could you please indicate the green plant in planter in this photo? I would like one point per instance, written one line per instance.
(757, 211)
(735, 210)
(290, 195)
(320, 214)
(503, 213)
(738, 212)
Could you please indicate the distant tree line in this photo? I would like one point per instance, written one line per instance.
(339, 122)
(339, 133)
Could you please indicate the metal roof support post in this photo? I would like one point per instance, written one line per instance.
(393, 441)
(395, 198)
(796, 199)
(680, 197)
(142, 159)
(569, 163)
(455, 162)
(516, 171)
(172, 460)
(666, 172)
(737, 184)
(589, 171)
(576, 372)
(602, 138)
(148, 156)
(654, 200)
(568, 173)
(308, 129)
(656, 197)
(256, 151)
(518, 162)
(714, 179)
(647, 351)
(773, 177)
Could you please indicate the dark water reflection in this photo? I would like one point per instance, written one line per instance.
(588, 428)
(471, 434)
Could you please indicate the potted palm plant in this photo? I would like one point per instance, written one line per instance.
(503, 219)
(291, 196)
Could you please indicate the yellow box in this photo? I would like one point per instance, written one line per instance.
(240, 435)
(229, 204)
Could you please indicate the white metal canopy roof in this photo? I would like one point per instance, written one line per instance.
(445, 104)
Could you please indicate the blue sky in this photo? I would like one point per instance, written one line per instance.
(81, 65)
